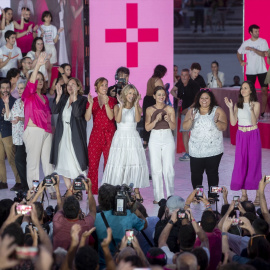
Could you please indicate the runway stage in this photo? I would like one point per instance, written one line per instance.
(183, 185)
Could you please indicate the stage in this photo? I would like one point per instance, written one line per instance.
(183, 185)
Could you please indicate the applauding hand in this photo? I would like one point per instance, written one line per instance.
(228, 102)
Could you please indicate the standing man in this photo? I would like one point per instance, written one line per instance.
(26, 36)
(255, 49)
(10, 54)
(7, 148)
(186, 89)
(195, 74)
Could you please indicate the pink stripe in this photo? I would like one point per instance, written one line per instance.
(132, 54)
(115, 35)
(148, 34)
(132, 15)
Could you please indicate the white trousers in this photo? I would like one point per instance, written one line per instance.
(162, 158)
(38, 144)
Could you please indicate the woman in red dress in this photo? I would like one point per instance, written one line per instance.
(103, 128)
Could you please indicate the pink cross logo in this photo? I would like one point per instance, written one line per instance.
(131, 31)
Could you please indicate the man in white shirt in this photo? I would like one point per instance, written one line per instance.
(10, 54)
(255, 49)
(215, 79)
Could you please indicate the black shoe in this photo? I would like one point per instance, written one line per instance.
(3, 185)
(16, 187)
(150, 177)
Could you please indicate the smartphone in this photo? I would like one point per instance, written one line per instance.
(199, 192)
(129, 236)
(216, 189)
(35, 185)
(26, 253)
(267, 178)
(199, 223)
(236, 221)
(23, 209)
(236, 199)
(181, 214)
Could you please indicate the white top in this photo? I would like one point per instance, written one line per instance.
(127, 119)
(42, 69)
(17, 129)
(244, 115)
(13, 62)
(2, 33)
(205, 139)
(255, 63)
(212, 82)
(50, 33)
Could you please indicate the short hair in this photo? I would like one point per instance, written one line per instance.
(141, 208)
(122, 70)
(22, 81)
(33, 47)
(250, 216)
(14, 230)
(27, 9)
(215, 62)
(185, 70)
(24, 59)
(5, 206)
(86, 258)
(208, 221)
(196, 66)
(71, 207)
(5, 81)
(175, 66)
(125, 91)
(12, 73)
(156, 256)
(39, 209)
(186, 261)
(253, 26)
(159, 71)
(186, 237)
(224, 210)
(9, 33)
(259, 247)
(135, 261)
(202, 257)
(106, 196)
(99, 82)
(46, 13)
(260, 226)
(79, 84)
(248, 206)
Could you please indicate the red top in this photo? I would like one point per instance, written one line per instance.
(25, 42)
(35, 108)
(100, 118)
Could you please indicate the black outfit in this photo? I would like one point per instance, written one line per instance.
(20, 162)
(78, 129)
(208, 164)
(200, 81)
(187, 93)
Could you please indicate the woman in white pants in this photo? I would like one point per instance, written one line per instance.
(160, 119)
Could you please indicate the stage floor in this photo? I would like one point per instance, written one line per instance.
(183, 185)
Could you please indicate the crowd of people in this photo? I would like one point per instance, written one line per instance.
(118, 233)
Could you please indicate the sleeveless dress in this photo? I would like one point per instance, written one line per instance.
(247, 171)
(127, 162)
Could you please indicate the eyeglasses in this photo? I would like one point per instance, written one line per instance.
(254, 236)
(205, 89)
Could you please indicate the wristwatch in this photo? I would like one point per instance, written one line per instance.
(171, 222)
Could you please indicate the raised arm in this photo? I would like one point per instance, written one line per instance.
(88, 112)
(40, 61)
(21, 25)
(263, 202)
(118, 110)
(138, 109)
(233, 111)
(91, 199)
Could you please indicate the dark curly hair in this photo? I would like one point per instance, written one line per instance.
(106, 196)
(213, 101)
(159, 71)
(253, 95)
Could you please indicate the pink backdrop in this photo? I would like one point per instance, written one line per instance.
(137, 34)
(257, 12)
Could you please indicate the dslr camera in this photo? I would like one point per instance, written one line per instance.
(20, 195)
(47, 181)
(78, 183)
(123, 199)
(181, 214)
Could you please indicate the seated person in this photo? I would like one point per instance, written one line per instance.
(236, 81)
(216, 78)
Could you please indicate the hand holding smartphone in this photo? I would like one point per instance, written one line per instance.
(22, 209)
(130, 237)
(199, 191)
(236, 201)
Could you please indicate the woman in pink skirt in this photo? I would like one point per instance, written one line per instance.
(247, 170)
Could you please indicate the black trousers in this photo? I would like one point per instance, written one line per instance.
(209, 165)
(199, 17)
(20, 162)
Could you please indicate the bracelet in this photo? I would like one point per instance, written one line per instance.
(224, 233)
(207, 205)
(188, 205)
(62, 73)
(193, 220)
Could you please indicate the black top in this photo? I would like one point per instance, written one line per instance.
(187, 93)
(200, 81)
(5, 126)
(77, 126)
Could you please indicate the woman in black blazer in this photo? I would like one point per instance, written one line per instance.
(69, 147)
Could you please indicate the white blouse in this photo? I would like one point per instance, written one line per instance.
(244, 115)
(17, 110)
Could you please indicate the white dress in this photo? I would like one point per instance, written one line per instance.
(127, 162)
(67, 163)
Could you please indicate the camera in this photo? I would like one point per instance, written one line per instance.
(199, 192)
(216, 189)
(47, 181)
(181, 214)
(122, 199)
(78, 183)
(20, 195)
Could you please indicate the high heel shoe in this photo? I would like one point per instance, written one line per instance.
(139, 198)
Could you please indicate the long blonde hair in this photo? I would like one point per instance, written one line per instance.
(125, 91)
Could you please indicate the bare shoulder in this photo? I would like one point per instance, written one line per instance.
(169, 109)
(150, 110)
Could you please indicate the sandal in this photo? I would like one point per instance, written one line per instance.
(155, 202)
(53, 196)
(257, 201)
(139, 198)
(78, 195)
(244, 198)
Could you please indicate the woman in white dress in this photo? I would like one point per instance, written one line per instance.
(69, 147)
(127, 162)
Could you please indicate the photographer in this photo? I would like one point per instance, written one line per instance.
(69, 213)
(118, 224)
(121, 78)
